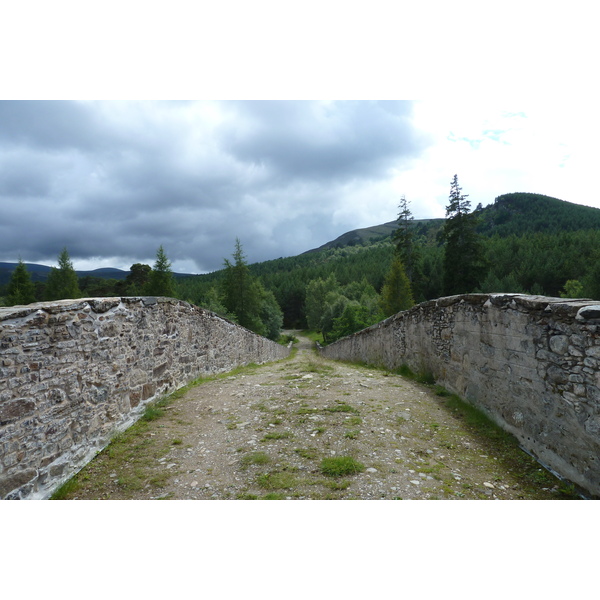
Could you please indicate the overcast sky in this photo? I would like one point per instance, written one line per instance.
(111, 180)
(510, 104)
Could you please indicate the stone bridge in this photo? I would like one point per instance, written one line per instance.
(530, 362)
(74, 373)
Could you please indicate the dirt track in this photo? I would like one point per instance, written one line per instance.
(264, 432)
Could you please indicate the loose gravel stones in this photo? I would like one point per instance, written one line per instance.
(265, 432)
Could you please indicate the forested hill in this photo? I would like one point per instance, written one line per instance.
(520, 213)
(517, 213)
(377, 233)
(534, 244)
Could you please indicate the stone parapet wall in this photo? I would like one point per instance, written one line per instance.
(75, 372)
(531, 363)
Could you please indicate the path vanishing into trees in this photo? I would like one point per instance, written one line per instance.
(310, 428)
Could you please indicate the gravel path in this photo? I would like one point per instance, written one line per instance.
(264, 432)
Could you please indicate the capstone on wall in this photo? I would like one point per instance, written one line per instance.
(75, 372)
(531, 363)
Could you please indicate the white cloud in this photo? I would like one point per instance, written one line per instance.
(284, 177)
(497, 148)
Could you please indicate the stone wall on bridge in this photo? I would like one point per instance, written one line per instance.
(531, 363)
(75, 372)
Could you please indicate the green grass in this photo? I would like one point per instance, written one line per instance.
(131, 453)
(313, 336)
(308, 453)
(315, 366)
(152, 413)
(337, 485)
(424, 376)
(277, 435)
(477, 420)
(341, 408)
(276, 481)
(255, 458)
(405, 371)
(65, 490)
(504, 446)
(338, 466)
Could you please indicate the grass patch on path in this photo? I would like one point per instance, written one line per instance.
(338, 466)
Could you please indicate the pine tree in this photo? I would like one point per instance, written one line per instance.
(407, 248)
(404, 235)
(396, 294)
(241, 295)
(20, 287)
(591, 282)
(161, 282)
(464, 254)
(62, 282)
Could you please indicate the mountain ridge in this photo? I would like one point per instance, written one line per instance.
(515, 213)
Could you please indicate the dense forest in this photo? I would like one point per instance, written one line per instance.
(527, 243)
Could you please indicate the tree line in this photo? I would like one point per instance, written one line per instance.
(336, 291)
(239, 297)
(63, 283)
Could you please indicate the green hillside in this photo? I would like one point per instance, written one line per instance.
(533, 243)
(520, 213)
(517, 213)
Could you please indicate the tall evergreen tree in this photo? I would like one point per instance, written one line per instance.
(396, 294)
(161, 281)
(62, 282)
(591, 282)
(464, 253)
(407, 248)
(20, 287)
(241, 295)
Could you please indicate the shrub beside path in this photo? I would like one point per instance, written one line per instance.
(310, 428)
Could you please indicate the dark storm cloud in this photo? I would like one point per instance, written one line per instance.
(115, 180)
(331, 141)
(50, 125)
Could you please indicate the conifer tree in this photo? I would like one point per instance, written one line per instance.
(20, 287)
(161, 282)
(591, 282)
(464, 254)
(396, 294)
(407, 248)
(62, 282)
(241, 295)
